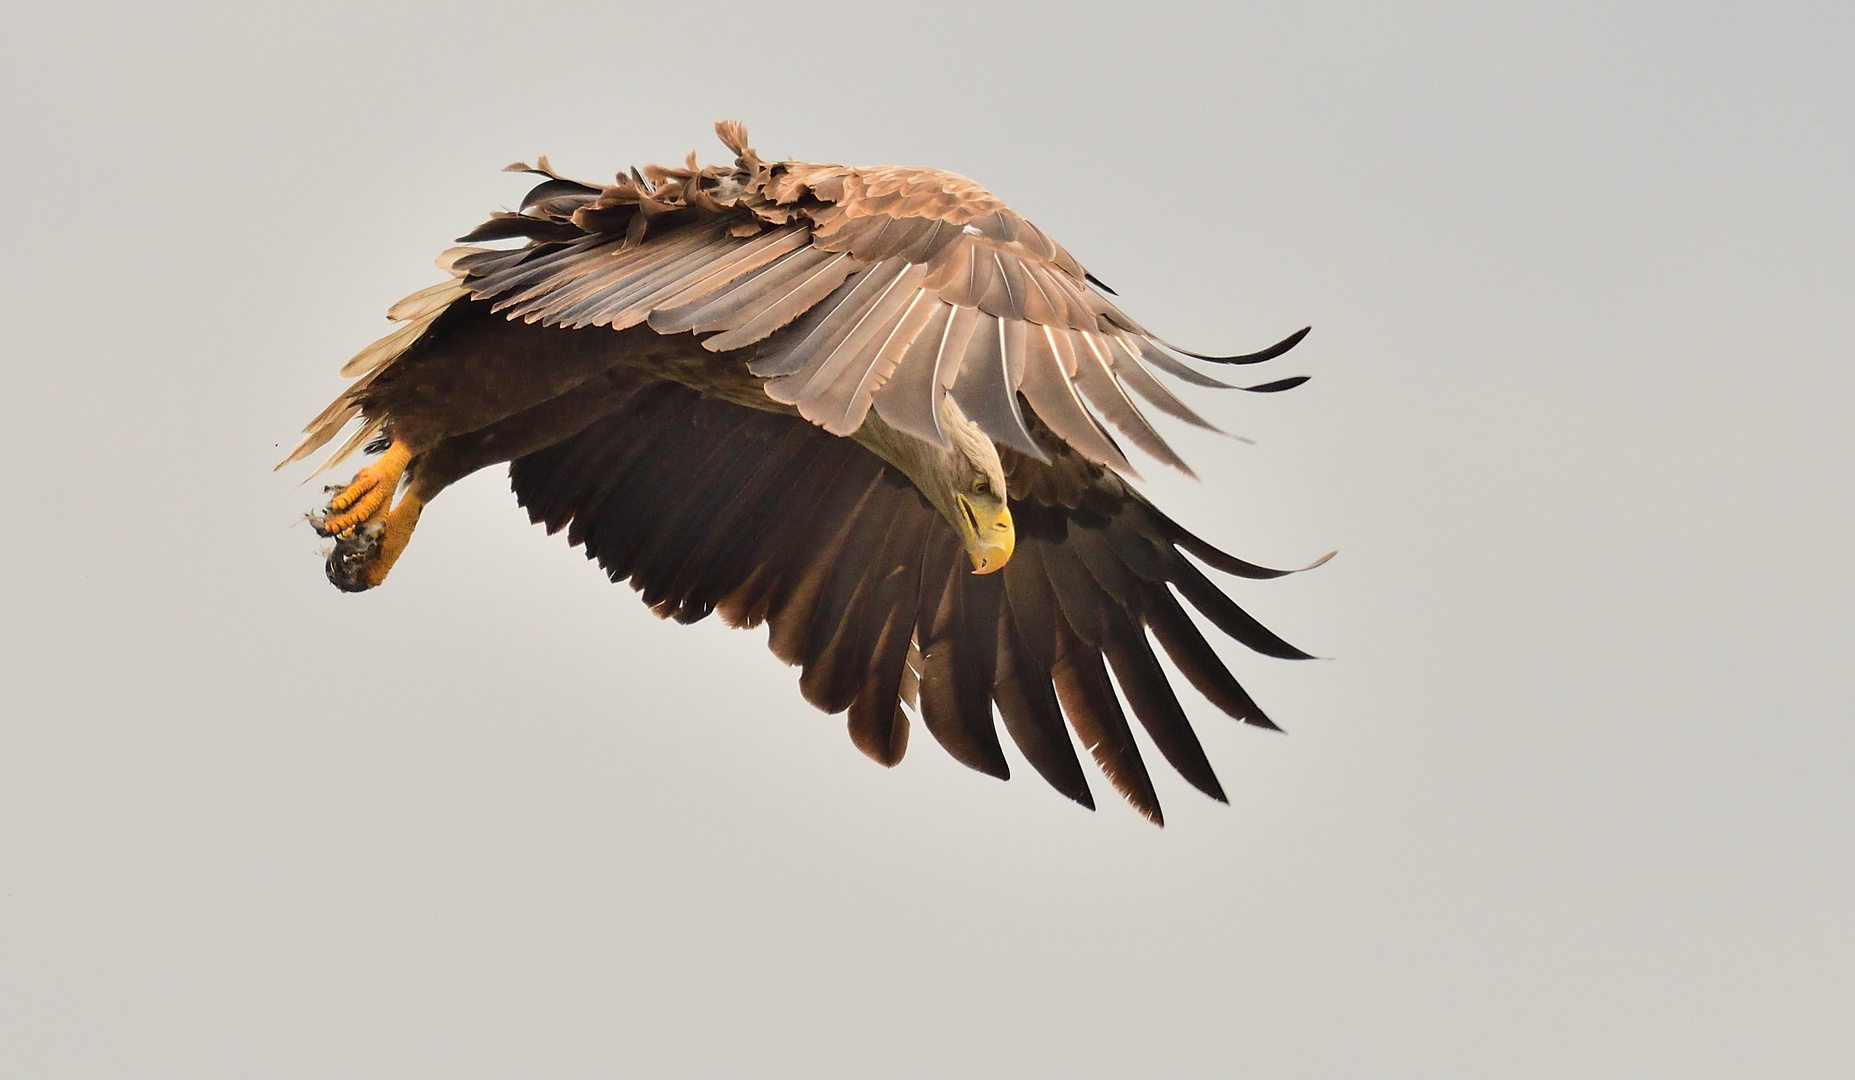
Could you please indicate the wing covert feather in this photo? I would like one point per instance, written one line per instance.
(751, 270)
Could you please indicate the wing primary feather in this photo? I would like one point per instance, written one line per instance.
(1013, 279)
(1196, 659)
(1094, 712)
(956, 675)
(493, 276)
(837, 477)
(796, 614)
(1150, 696)
(1258, 357)
(878, 725)
(1172, 532)
(1034, 719)
(1078, 596)
(1227, 616)
(864, 360)
(702, 275)
(1152, 354)
(830, 388)
(580, 262)
(840, 636)
(725, 557)
(1277, 386)
(1096, 381)
(922, 308)
(580, 267)
(1134, 375)
(1033, 607)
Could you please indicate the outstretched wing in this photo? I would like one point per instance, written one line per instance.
(859, 288)
(694, 501)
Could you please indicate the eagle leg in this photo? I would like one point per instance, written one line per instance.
(365, 553)
(369, 495)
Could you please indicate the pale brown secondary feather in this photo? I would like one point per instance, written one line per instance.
(836, 272)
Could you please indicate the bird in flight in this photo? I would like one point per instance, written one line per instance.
(868, 407)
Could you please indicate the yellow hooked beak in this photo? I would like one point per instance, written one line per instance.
(989, 535)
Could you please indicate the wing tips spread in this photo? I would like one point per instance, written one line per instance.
(689, 498)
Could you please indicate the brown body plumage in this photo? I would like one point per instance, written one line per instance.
(670, 361)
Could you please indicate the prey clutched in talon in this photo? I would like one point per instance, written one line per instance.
(370, 532)
(370, 494)
(364, 554)
(354, 551)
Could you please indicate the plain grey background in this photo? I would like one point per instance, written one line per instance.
(1572, 798)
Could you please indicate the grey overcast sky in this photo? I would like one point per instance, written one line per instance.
(1571, 798)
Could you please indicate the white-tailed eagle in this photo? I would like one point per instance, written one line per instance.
(869, 407)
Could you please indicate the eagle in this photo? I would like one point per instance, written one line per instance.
(872, 408)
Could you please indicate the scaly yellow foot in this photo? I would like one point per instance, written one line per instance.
(365, 553)
(370, 493)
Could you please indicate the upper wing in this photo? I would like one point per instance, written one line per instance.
(692, 499)
(862, 288)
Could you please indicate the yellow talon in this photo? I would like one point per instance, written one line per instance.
(399, 525)
(364, 554)
(370, 494)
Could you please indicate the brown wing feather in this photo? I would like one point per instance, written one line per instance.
(705, 506)
(726, 255)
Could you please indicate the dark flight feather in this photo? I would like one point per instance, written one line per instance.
(691, 500)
